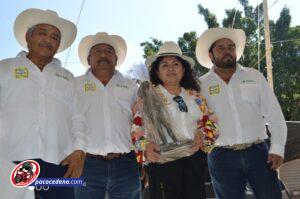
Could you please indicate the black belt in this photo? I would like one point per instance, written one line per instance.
(109, 156)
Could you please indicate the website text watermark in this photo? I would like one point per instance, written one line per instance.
(59, 182)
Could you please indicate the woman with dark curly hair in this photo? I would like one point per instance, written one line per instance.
(188, 80)
(173, 80)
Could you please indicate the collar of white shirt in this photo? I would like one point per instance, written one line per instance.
(239, 68)
(90, 75)
(168, 95)
(23, 55)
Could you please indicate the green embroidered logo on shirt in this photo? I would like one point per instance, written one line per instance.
(62, 76)
(89, 87)
(248, 81)
(214, 89)
(21, 72)
(122, 86)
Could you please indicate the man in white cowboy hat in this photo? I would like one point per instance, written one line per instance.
(244, 103)
(106, 99)
(37, 117)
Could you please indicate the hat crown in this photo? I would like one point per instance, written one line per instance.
(102, 35)
(169, 47)
(104, 38)
(51, 13)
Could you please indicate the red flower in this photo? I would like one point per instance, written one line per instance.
(205, 118)
(137, 121)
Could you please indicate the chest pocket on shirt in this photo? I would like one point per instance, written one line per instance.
(250, 92)
(123, 97)
(62, 89)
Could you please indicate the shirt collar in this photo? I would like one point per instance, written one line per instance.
(116, 73)
(239, 67)
(23, 55)
(89, 73)
(166, 93)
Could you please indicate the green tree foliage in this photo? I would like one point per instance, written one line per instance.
(187, 44)
(209, 18)
(151, 48)
(286, 62)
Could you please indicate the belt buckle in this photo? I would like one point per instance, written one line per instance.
(111, 156)
(239, 147)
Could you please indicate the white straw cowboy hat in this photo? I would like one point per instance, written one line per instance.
(31, 17)
(114, 41)
(213, 34)
(169, 48)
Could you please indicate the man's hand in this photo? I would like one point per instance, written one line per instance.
(152, 152)
(75, 162)
(275, 161)
(198, 142)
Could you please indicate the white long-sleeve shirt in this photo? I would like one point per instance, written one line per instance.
(243, 107)
(37, 115)
(107, 111)
(184, 123)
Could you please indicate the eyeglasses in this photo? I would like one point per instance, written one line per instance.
(181, 104)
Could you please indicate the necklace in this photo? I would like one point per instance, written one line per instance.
(161, 95)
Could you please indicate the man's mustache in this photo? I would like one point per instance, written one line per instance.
(227, 55)
(46, 44)
(103, 60)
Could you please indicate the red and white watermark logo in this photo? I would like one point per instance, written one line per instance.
(25, 173)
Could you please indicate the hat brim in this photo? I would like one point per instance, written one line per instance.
(211, 35)
(149, 61)
(89, 41)
(32, 17)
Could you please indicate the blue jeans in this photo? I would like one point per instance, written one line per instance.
(230, 171)
(118, 177)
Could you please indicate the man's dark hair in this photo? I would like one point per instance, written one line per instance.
(188, 80)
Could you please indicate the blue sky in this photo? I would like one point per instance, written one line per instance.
(135, 20)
